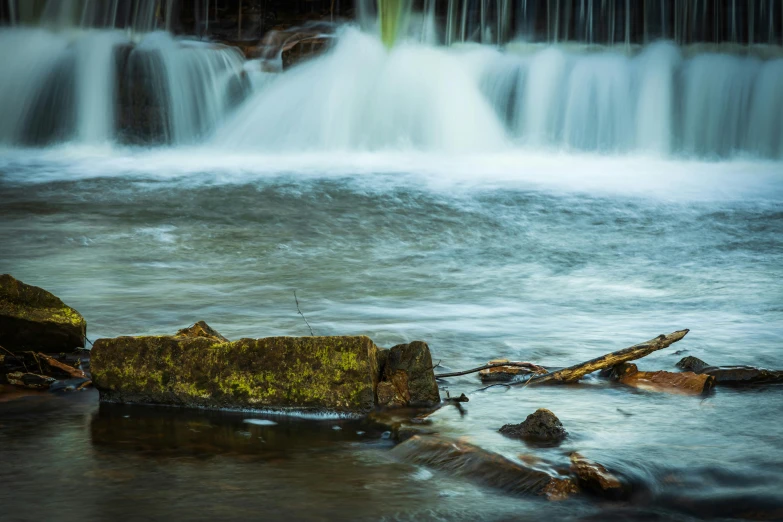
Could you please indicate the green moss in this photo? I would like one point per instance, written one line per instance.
(34, 304)
(335, 373)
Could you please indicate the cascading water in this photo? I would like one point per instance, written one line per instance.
(141, 86)
(78, 78)
(662, 100)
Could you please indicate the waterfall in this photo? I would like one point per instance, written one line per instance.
(664, 100)
(101, 72)
(78, 78)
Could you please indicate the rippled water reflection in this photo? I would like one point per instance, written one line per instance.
(542, 265)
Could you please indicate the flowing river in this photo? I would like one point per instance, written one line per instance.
(548, 206)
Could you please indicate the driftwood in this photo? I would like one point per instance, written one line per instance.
(529, 366)
(732, 375)
(685, 383)
(576, 372)
(50, 366)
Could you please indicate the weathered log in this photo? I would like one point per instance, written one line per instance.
(685, 383)
(50, 366)
(576, 372)
(732, 375)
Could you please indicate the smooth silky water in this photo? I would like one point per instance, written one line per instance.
(420, 193)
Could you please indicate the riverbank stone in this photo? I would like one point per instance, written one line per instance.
(311, 374)
(33, 319)
(541, 426)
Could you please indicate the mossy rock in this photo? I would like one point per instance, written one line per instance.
(33, 319)
(313, 374)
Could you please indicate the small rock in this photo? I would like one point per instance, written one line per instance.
(201, 329)
(541, 426)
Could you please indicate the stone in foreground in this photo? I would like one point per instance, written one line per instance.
(542, 426)
(311, 374)
(33, 319)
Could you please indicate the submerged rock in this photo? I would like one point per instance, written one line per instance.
(593, 477)
(317, 374)
(33, 319)
(686, 383)
(486, 467)
(541, 426)
(731, 375)
(407, 378)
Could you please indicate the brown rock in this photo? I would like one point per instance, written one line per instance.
(595, 478)
(408, 378)
(560, 489)
(542, 426)
(32, 318)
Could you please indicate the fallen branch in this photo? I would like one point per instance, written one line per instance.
(303, 317)
(530, 366)
(574, 373)
(15, 357)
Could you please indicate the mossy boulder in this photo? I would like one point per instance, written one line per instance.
(315, 374)
(33, 319)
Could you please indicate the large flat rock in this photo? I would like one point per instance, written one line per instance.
(33, 319)
(311, 374)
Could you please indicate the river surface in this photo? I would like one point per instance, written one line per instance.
(550, 258)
